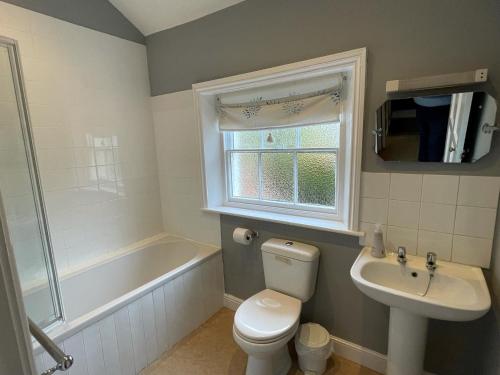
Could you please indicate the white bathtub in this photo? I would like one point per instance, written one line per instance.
(124, 312)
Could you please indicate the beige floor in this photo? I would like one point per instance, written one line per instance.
(211, 350)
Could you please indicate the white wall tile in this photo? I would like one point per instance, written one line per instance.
(439, 243)
(403, 214)
(475, 221)
(406, 187)
(397, 236)
(437, 217)
(479, 191)
(82, 108)
(54, 158)
(472, 251)
(426, 212)
(179, 160)
(375, 185)
(440, 189)
(373, 210)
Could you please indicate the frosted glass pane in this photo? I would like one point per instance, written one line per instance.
(277, 176)
(280, 138)
(245, 175)
(316, 178)
(246, 140)
(320, 136)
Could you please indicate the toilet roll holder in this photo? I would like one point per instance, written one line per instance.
(253, 234)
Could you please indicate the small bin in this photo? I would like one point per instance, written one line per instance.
(313, 346)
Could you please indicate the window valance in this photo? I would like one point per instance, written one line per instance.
(297, 109)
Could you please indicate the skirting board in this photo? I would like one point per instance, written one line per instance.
(353, 352)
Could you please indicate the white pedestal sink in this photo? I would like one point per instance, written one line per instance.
(457, 293)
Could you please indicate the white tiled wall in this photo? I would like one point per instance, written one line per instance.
(128, 340)
(88, 95)
(179, 165)
(453, 216)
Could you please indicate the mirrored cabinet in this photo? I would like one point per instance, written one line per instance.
(452, 128)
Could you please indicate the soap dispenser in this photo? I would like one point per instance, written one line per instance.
(378, 248)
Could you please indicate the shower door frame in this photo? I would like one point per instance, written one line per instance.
(29, 146)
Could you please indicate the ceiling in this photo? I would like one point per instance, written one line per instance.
(151, 16)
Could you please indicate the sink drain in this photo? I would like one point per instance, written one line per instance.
(414, 274)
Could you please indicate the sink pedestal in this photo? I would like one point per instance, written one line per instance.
(407, 339)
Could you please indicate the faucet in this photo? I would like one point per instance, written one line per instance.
(431, 262)
(402, 255)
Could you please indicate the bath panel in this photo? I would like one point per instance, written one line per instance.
(131, 331)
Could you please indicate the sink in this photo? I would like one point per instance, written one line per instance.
(456, 293)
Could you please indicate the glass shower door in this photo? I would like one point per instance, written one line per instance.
(21, 192)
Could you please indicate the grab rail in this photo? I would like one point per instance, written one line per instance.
(63, 361)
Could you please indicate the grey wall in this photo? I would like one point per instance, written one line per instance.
(405, 38)
(336, 304)
(452, 348)
(98, 15)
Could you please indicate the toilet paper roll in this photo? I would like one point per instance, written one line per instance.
(243, 236)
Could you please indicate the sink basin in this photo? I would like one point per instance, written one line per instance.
(456, 292)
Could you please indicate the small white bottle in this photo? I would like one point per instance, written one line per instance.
(378, 248)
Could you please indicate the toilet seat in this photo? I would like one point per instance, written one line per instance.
(267, 316)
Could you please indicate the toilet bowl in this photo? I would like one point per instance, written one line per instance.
(267, 321)
(263, 325)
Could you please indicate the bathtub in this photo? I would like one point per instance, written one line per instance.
(123, 312)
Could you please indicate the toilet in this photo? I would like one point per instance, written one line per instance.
(267, 321)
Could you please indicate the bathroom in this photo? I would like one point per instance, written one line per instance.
(122, 135)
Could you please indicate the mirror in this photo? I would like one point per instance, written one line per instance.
(453, 128)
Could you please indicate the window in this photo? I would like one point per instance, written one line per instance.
(284, 144)
(293, 168)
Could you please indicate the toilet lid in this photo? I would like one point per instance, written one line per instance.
(267, 315)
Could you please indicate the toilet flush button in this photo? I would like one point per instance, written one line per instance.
(289, 243)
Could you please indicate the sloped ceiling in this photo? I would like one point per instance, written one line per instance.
(151, 16)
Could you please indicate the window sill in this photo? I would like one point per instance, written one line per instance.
(299, 221)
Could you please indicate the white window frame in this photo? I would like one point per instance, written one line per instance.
(214, 180)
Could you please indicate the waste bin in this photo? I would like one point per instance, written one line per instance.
(313, 346)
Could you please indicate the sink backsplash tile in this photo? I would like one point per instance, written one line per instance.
(453, 216)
